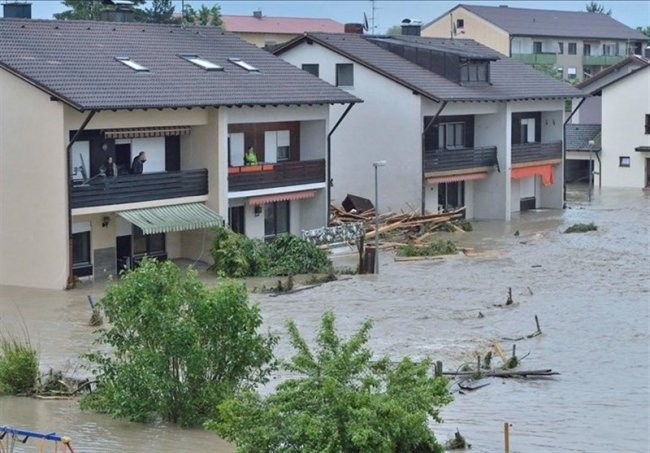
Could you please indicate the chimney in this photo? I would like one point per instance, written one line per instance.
(411, 27)
(117, 11)
(257, 14)
(353, 28)
(17, 10)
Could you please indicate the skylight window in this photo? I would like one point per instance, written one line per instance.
(202, 63)
(132, 64)
(242, 64)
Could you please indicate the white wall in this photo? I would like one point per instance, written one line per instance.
(625, 105)
(313, 139)
(154, 148)
(387, 126)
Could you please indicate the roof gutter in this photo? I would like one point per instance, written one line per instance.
(329, 159)
(71, 282)
(564, 145)
(426, 128)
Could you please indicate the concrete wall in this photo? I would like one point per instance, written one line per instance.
(475, 28)
(624, 106)
(313, 139)
(590, 112)
(33, 187)
(387, 126)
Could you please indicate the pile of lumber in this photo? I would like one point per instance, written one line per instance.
(397, 227)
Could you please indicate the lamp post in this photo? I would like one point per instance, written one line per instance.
(377, 164)
(591, 170)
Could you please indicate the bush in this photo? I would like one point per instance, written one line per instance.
(581, 228)
(237, 256)
(343, 402)
(18, 366)
(433, 249)
(178, 349)
(290, 255)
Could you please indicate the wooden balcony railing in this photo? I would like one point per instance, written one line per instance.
(280, 174)
(533, 152)
(459, 159)
(102, 191)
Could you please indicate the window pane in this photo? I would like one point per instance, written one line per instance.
(459, 139)
(464, 73)
(81, 248)
(449, 132)
(269, 219)
(282, 213)
(482, 72)
(344, 75)
(139, 241)
(441, 136)
(311, 68)
(156, 243)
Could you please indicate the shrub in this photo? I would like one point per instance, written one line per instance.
(178, 349)
(343, 402)
(433, 249)
(581, 228)
(290, 255)
(18, 366)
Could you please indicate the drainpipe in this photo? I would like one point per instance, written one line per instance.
(71, 283)
(564, 145)
(329, 161)
(426, 128)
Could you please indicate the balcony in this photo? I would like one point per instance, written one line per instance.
(600, 60)
(536, 152)
(459, 159)
(280, 174)
(536, 58)
(103, 191)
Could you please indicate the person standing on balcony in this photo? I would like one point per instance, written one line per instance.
(250, 158)
(138, 163)
(110, 168)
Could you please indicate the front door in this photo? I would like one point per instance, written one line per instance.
(123, 253)
(276, 219)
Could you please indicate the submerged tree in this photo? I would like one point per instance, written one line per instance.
(594, 7)
(342, 402)
(178, 349)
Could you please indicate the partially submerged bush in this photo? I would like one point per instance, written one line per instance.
(237, 256)
(18, 365)
(581, 228)
(342, 401)
(434, 249)
(178, 348)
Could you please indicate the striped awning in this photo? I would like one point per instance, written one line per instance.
(143, 132)
(302, 195)
(456, 178)
(166, 219)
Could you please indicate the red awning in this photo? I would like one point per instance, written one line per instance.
(456, 178)
(282, 197)
(545, 171)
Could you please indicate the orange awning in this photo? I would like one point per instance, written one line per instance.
(456, 178)
(545, 171)
(282, 197)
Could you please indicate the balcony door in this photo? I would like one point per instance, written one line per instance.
(276, 219)
(236, 149)
(451, 195)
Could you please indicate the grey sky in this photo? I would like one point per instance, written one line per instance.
(386, 13)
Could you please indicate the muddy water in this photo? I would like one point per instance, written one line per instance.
(590, 291)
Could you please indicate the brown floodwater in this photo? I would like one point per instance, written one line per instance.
(590, 291)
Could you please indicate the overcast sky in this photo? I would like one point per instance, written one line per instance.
(386, 13)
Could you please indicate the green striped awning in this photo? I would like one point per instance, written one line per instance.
(165, 219)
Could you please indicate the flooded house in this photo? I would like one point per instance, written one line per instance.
(83, 104)
(458, 124)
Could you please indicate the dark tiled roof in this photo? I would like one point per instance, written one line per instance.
(511, 79)
(613, 73)
(75, 61)
(541, 22)
(578, 136)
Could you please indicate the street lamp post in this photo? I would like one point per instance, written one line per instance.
(377, 164)
(591, 170)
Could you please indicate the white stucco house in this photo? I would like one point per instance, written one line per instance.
(619, 109)
(75, 93)
(458, 124)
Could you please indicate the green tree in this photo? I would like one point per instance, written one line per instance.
(395, 30)
(645, 30)
(204, 15)
(161, 12)
(594, 7)
(342, 403)
(178, 348)
(86, 9)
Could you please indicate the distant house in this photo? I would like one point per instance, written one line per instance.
(74, 93)
(268, 31)
(573, 44)
(619, 111)
(458, 123)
